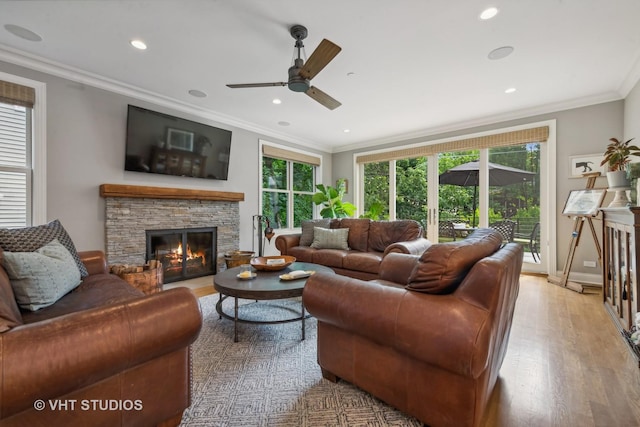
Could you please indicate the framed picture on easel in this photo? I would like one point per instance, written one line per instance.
(584, 202)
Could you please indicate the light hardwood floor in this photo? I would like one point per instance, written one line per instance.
(566, 364)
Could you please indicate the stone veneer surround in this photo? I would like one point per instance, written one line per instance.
(129, 213)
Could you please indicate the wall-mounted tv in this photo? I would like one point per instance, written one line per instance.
(163, 144)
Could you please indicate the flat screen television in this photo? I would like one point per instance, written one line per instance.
(163, 144)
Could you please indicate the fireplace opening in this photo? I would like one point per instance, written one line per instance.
(184, 253)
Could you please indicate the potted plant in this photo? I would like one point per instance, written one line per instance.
(331, 199)
(618, 156)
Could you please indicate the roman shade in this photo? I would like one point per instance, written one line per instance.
(523, 136)
(15, 94)
(294, 156)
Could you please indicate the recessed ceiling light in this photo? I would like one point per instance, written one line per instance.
(197, 93)
(284, 123)
(501, 52)
(277, 101)
(346, 130)
(351, 73)
(138, 44)
(23, 33)
(510, 90)
(489, 13)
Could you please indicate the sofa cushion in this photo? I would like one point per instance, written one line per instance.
(42, 277)
(329, 257)
(306, 238)
(358, 232)
(96, 290)
(302, 253)
(385, 233)
(330, 239)
(9, 311)
(368, 262)
(442, 266)
(28, 239)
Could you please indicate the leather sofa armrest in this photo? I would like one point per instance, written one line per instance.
(45, 360)
(397, 267)
(95, 261)
(284, 242)
(415, 247)
(440, 330)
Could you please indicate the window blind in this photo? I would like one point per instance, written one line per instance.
(15, 94)
(15, 166)
(524, 136)
(294, 156)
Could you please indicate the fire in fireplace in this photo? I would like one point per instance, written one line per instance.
(184, 253)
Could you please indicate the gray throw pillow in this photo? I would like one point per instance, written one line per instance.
(28, 239)
(330, 238)
(41, 278)
(306, 238)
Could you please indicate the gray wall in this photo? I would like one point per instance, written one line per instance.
(86, 129)
(583, 130)
(632, 115)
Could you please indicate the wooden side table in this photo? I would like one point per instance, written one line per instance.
(144, 278)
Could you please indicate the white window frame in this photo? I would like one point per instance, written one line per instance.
(38, 179)
(289, 190)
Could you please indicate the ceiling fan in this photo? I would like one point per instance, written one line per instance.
(301, 73)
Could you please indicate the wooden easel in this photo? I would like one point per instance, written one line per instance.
(578, 222)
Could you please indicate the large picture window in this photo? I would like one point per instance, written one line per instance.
(288, 184)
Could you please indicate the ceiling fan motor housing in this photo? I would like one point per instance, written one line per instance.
(296, 82)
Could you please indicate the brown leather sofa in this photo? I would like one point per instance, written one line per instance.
(369, 242)
(103, 355)
(429, 336)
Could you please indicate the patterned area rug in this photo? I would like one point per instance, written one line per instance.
(270, 377)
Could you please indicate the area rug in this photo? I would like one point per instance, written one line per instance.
(270, 377)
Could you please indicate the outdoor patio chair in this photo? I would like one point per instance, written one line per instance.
(507, 228)
(447, 229)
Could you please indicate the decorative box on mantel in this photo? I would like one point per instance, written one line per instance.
(620, 278)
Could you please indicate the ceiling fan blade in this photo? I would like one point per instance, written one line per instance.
(319, 59)
(323, 98)
(243, 85)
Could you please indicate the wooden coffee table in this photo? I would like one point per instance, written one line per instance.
(267, 285)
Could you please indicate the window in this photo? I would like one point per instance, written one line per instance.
(16, 103)
(288, 185)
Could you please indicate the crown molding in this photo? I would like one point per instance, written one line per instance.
(37, 63)
(484, 121)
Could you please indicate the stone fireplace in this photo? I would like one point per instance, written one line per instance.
(132, 211)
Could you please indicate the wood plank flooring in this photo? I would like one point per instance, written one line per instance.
(566, 364)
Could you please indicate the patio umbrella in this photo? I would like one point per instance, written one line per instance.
(467, 175)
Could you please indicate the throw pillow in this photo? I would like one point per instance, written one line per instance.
(443, 266)
(29, 239)
(306, 238)
(330, 238)
(41, 278)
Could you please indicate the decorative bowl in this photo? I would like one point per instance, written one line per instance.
(272, 263)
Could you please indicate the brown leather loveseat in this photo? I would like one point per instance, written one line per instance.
(429, 336)
(367, 243)
(103, 355)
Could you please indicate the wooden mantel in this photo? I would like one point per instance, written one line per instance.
(137, 191)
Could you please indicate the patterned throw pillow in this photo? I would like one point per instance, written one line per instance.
(29, 239)
(41, 278)
(330, 238)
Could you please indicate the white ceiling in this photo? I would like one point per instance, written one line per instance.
(419, 66)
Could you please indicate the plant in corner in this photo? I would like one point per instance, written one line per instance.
(617, 156)
(331, 199)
